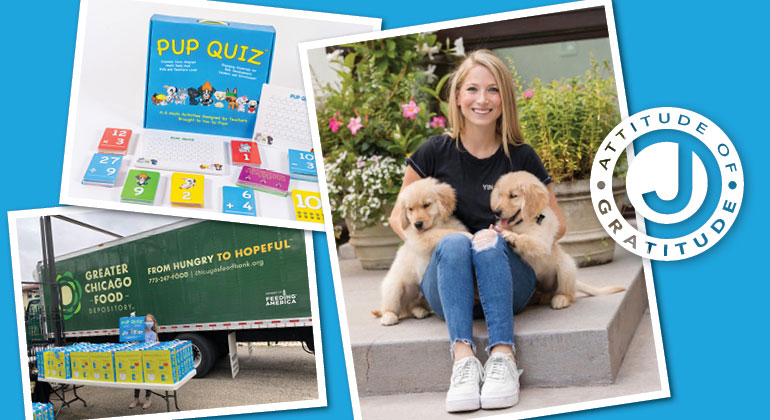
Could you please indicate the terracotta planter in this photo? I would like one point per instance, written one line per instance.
(586, 241)
(375, 246)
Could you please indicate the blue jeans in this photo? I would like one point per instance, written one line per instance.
(505, 284)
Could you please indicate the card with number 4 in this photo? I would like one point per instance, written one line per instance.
(115, 141)
(237, 200)
(140, 187)
(186, 190)
(102, 170)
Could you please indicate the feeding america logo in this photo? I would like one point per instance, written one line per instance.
(686, 179)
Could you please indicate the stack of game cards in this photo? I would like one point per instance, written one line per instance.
(102, 170)
(264, 180)
(114, 141)
(186, 190)
(302, 165)
(244, 153)
(237, 200)
(140, 187)
(307, 206)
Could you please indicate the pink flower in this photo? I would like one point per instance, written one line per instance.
(334, 124)
(436, 122)
(355, 125)
(410, 110)
(528, 93)
(360, 163)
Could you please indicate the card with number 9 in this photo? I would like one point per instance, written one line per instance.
(140, 187)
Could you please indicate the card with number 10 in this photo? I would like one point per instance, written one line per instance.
(238, 200)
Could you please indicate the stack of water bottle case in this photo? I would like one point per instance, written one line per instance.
(159, 363)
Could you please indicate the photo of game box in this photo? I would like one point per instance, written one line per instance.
(206, 76)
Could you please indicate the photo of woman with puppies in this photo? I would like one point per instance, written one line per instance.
(458, 161)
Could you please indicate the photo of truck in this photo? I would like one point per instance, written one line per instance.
(202, 280)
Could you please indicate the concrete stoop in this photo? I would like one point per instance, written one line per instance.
(578, 346)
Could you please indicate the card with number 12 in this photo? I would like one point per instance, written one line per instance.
(102, 170)
(115, 141)
(140, 187)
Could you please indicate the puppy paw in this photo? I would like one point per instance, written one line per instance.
(560, 302)
(509, 237)
(389, 318)
(419, 312)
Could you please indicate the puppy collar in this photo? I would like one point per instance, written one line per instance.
(538, 219)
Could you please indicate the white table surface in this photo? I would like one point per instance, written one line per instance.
(127, 385)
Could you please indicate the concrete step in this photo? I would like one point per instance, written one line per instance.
(638, 374)
(578, 346)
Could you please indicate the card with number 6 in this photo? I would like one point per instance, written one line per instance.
(103, 170)
(140, 187)
(238, 200)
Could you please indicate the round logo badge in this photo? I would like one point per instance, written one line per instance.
(653, 178)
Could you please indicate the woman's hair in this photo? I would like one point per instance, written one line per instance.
(154, 322)
(508, 122)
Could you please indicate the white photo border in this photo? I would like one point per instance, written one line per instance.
(65, 197)
(321, 401)
(304, 47)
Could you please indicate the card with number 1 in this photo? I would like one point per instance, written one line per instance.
(245, 153)
(102, 170)
(140, 187)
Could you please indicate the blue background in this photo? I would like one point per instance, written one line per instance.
(706, 57)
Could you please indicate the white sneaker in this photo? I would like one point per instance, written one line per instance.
(463, 394)
(501, 384)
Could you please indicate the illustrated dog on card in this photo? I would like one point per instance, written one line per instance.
(426, 208)
(520, 202)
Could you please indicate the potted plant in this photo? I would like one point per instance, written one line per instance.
(565, 121)
(377, 113)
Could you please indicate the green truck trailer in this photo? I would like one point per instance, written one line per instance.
(201, 279)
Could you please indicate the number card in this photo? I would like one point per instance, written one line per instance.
(302, 165)
(103, 170)
(186, 190)
(140, 187)
(307, 206)
(115, 141)
(237, 200)
(245, 153)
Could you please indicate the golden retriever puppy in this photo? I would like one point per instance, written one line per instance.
(426, 208)
(520, 202)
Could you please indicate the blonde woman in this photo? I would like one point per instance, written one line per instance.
(485, 143)
(150, 336)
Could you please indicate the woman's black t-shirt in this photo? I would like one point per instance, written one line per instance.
(472, 178)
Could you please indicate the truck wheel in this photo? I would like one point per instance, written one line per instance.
(204, 353)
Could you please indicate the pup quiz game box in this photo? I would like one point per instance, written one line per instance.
(206, 76)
